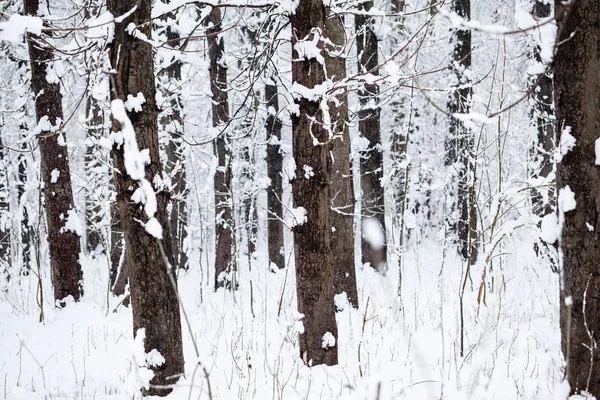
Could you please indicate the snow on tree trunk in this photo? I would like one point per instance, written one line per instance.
(342, 200)
(224, 223)
(153, 299)
(311, 191)
(576, 85)
(63, 242)
(371, 157)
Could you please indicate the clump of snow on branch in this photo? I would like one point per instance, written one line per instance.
(308, 48)
(567, 143)
(299, 216)
(139, 374)
(16, 26)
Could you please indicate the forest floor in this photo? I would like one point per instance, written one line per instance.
(388, 348)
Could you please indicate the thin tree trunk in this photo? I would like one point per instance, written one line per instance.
(153, 298)
(542, 113)
(274, 172)
(576, 85)
(374, 251)
(172, 123)
(224, 267)
(5, 210)
(460, 144)
(64, 244)
(93, 207)
(311, 191)
(342, 200)
(22, 198)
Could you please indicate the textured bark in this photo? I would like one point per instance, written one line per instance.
(274, 172)
(312, 239)
(577, 84)
(342, 200)
(460, 144)
(172, 123)
(93, 207)
(153, 299)
(58, 194)
(371, 159)
(542, 113)
(222, 181)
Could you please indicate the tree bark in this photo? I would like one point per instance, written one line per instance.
(58, 194)
(460, 144)
(312, 238)
(224, 268)
(342, 200)
(371, 159)
(153, 298)
(542, 113)
(274, 172)
(576, 85)
(172, 123)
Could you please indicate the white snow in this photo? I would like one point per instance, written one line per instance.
(566, 200)
(54, 175)
(597, 151)
(308, 171)
(154, 228)
(373, 233)
(308, 48)
(328, 340)
(290, 169)
(299, 216)
(550, 229)
(134, 103)
(154, 358)
(16, 26)
(567, 143)
(73, 223)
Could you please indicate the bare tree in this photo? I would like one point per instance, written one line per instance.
(576, 85)
(58, 194)
(224, 267)
(371, 158)
(342, 201)
(312, 194)
(153, 298)
(460, 144)
(274, 172)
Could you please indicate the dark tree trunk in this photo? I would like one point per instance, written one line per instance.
(312, 238)
(274, 172)
(153, 298)
(542, 113)
(58, 194)
(5, 210)
(172, 123)
(22, 198)
(342, 200)
(93, 206)
(460, 144)
(371, 159)
(577, 84)
(224, 267)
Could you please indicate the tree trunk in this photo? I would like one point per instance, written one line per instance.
(542, 113)
(311, 191)
(5, 210)
(172, 124)
(371, 158)
(224, 267)
(274, 172)
(460, 144)
(342, 200)
(58, 194)
(577, 84)
(22, 199)
(93, 206)
(153, 298)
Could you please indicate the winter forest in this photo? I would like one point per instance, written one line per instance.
(300, 199)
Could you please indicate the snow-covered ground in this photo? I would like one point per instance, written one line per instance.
(388, 349)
